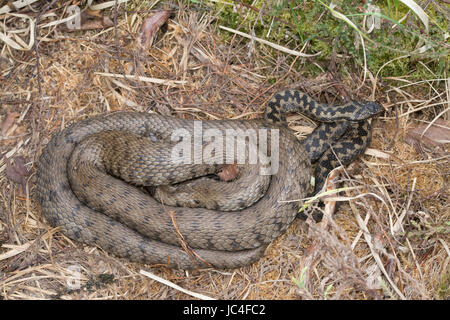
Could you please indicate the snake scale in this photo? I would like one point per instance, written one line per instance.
(79, 189)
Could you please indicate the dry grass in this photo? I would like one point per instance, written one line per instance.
(390, 242)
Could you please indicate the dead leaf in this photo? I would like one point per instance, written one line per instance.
(434, 137)
(150, 26)
(9, 121)
(91, 20)
(98, 23)
(93, 13)
(17, 172)
(228, 172)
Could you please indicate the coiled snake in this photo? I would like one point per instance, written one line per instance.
(98, 208)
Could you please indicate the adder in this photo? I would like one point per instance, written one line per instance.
(89, 179)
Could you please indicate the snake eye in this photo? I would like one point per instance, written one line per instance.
(367, 109)
(374, 107)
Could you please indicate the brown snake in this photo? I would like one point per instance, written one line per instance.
(126, 221)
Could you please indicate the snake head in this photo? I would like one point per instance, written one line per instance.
(367, 109)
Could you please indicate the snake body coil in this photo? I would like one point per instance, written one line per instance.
(125, 221)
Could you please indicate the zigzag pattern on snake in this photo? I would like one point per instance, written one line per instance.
(79, 189)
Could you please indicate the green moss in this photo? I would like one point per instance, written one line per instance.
(302, 20)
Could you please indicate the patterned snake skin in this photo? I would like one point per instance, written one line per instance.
(79, 189)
